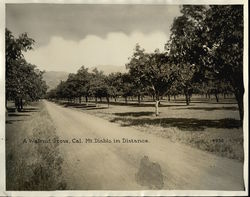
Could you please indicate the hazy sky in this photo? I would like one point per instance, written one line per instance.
(68, 36)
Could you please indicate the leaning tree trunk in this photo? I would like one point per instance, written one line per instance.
(6, 103)
(239, 97)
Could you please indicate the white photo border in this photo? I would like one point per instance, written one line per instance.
(3, 191)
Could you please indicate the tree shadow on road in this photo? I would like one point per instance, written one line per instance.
(13, 116)
(230, 102)
(78, 105)
(95, 108)
(152, 104)
(135, 114)
(209, 108)
(27, 110)
(12, 121)
(181, 123)
(17, 114)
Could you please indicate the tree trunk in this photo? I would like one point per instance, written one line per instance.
(168, 97)
(139, 99)
(86, 99)
(216, 97)
(80, 99)
(18, 104)
(107, 100)
(239, 97)
(115, 98)
(174, 98)
(21, 104)
(187, 98)
(187, 95)
(157, 105)
(6, 104)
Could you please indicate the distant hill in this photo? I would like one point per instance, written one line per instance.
(53, 78)
(107, 69)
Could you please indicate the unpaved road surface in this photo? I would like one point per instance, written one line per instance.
(156, 164)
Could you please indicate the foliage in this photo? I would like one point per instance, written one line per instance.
(224, 46)
(152, 70)
(209, 38)
(23, 80)
(204, 55)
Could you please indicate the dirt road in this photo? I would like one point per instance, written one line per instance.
(155, 163)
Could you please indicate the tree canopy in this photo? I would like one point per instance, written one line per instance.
(204, 55)
(23, 80)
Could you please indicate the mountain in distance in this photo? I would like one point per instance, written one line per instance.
(107, 69)
(53, 78)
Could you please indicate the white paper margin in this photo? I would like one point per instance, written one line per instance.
(3, 191)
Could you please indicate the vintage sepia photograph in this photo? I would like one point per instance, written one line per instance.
(124, 97)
